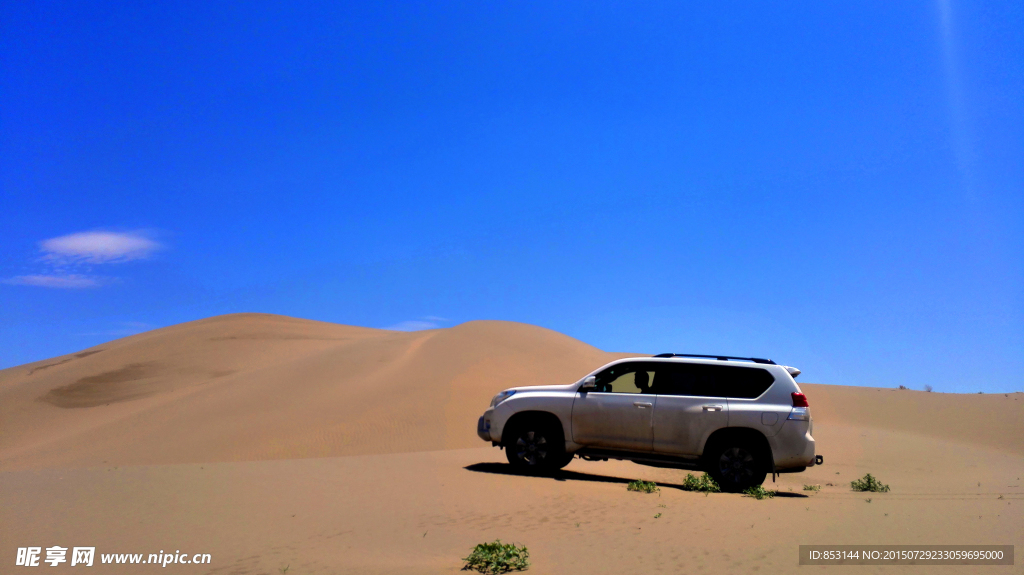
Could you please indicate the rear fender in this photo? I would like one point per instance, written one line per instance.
(739, 435)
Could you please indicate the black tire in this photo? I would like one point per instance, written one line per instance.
(535, 446)
(737, 466)
(566, 460)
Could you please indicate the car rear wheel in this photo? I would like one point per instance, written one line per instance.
(737, 467)
(536, 446)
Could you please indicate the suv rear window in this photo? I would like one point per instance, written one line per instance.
(711, 380)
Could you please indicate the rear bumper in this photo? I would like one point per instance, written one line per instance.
(793, 447)
(818, 460)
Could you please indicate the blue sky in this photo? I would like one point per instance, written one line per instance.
(837, 186)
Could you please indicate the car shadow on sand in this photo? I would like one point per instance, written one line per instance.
(564, 475)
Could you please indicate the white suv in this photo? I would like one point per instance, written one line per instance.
(737, 420)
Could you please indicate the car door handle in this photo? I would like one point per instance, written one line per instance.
(713, 407)
(642, 404)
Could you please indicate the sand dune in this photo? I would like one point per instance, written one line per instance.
(271, 441)
(255, 386)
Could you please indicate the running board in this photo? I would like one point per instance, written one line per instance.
(652, 459)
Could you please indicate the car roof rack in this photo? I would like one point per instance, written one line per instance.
(718, 357)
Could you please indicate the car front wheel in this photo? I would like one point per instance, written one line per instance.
(536, 446)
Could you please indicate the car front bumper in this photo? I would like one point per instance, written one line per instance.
(483, 428)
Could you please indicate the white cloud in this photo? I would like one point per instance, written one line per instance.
(129, 328)
(138, 325)
(98, 247)
(413, 325)
(56, 281)
(67, 261)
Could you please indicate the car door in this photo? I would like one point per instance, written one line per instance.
(689, 408)
(618, 413)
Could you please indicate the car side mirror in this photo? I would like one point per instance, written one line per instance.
(589, 384)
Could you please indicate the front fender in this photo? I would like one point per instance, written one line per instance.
(557, 403)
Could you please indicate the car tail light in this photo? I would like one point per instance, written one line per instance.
(799, 400)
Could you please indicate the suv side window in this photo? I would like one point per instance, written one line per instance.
(703, 380)
(687, 379)
(743, 382)
(633, 377)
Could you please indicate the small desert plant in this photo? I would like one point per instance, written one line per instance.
(497, 557)
(642, 486)
(759, 492)
(657, 516)
(812, 488)
(704, 484)
(904, 387)
(927, 388)
(868, 500)
(869, 483)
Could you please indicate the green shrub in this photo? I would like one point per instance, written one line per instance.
(497, 557)
(759, 492)
(812, 488)
(704, 484)
(643, 486)
(868, 483)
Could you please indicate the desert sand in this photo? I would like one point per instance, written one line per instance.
(280, 445)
